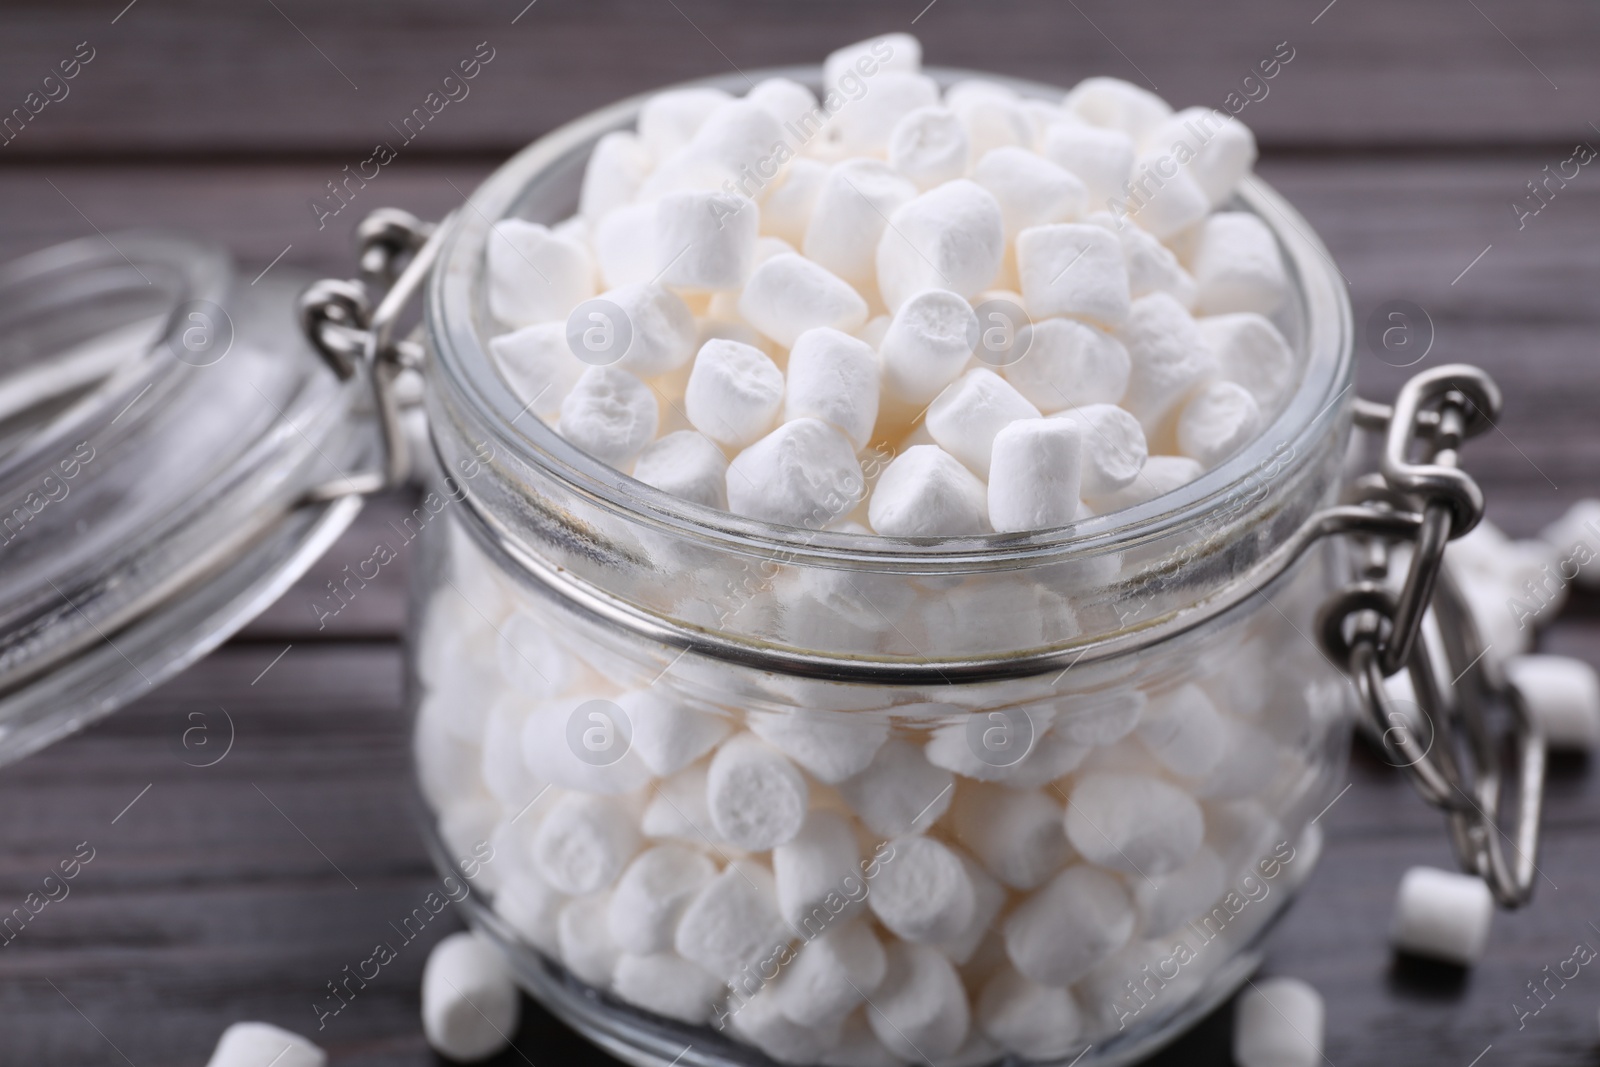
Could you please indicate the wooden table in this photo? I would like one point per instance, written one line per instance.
(1403, 132)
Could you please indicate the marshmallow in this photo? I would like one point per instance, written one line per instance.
(1133, 823)
(1101, 159)
(1031, 191)
(1069, 364)
(609, 414)
(920, 1010)
(1167, 901)
(928, 146)
(743, 137)
(1034, 475)
(1098, 719)
(551, 756)
(1050, 758)
(830, 975)
(761, 1022)
(505, 773)
(816, 869)
(679, 809)
(988, 897)
(923, 892)
(1252, 353)
(538, 366)
(1016, 833)
(757, 797)
(1237, 266)
(734, 393)
(1159, 475)
(668, 735)
(1113, 447)
(950, 237)
(1184, 731)
(534, 275)
(617, 168)
(625, 245)
(829, 745)
(688, 465)
(1118, 105)
(834, 377)
(890, 52)
(661, 327)
(1214, 149)
(705, 240)
(1074, 921)
(1442, 915)
(966, 417)
(470, 1005)
(1217, 422)
(583, 843)
(532, 909)
(733, 923)
(788, 295)
(1073, 269)
(650, 897)
(992, 116)
(858, 1046)
(261, 1044)
(1163, 199)
(583, 931)
(1029, 1019)
(900, 792)
(1563, 697)
(784, 99)
(1240, 831)
(849, 214)
(865, 122)
(804, 473)
(667, 984)
(1278, 1023)
(1576, 535)
(786, 211)
(927, 492)
(1170, 358)
(530, 660)
(668, 120)
(1152, 268)
(927, 344)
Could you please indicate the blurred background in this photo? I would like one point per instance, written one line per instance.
(1441, 149)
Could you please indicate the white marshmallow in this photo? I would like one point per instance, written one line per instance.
(744, 137)
(1098, 719)
(538, 366)
(1563, 696)
(534, 275)
(1163, 199)
(858, 1046)
(688, 465)
(1442, 915)
(1046, 758)
(1073, 269)
(584, 843)
(757, 797)
(833, 377)
(788, 295)
(625, 245)
(1152, 268)
(734, 393)
(662, 329)
(1216, 150)
(1050, 758)
(1184, 731)
(261, 1044)
(1237, 265)
(923, 892)
(705, 240)
(532, 909)
(928, 146)
(992, 119)
(669, 120)
(668, 735)
(920, 1010)
(1278, 1023)
(650, 897)
(1170, 358)
(1074, 921)
(470, 1005)
(850, 211)
(816, 869)
(1167, 901)
(988, 897)
(785, 100)
(1034, 475)
(1159, 475)
(1031, 1020)
(505, 773)
(1113, 447)
(900, 792)
(804, 473)
(1133, 823)
(679, 809)
(1101, 159)
(971, 411)
(529, 658)
(927, 344)
(1118, 105)
(865, 122)
(786, 211)
(889, 52)
(1016, 833)
(829, 745)
(1031, 191)
(666, 984)
(830, 975)
(927, 492)
(761, 1022)
(1216, 422)
(583, 930)
(1251, 352)
(950, 237)
(1069, 364)
(733, 923)
(609, 414)
(551, 757)
(617, 168)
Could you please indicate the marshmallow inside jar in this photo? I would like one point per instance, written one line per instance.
(858, 618)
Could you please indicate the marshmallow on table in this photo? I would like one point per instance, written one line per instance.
(1113, 447)
(1070, 364)
(1237, 266)
(927, 344)
(1029, 1019)
(966, 417)
(532, 909)
(667, 984)
(950, 237)
(1034, 475)
(831, 974)
(900, 792)
(865, 122)
(539, 366)
(849, 213)
(815, 870)
(584, 843)
(733, 923)
(1031, 190)
(1184, 731)
(617, 168)
(1563, 696)
(1073, 269)
(583, 931)
(833, 377)
(1252, 353)
(928, 146)
(1102, 159)
(786, 209)
(650, 896)
(1215, 150)
(734, 393)
(927, 492)
(685, 464)
(669, 120)
(920, 1009)
(625, 245)
(1217, 422)
(923, 892)
(788, 295)
(1442, 915)
(1016, 833)
(757, 797)
(1278, 1022)
(261, 1045)
(660, 326)
(1169, 357)
(1118, 105)
(804, 473)
(1167, 901)
(831, 746)
(1133, 823)
(535, 275)
(705, 240)
(1068, 925)
(1159, 475)
(470, 1005)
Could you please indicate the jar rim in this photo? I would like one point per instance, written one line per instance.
(454, 311)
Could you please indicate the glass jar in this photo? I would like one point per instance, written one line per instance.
(1096, 752)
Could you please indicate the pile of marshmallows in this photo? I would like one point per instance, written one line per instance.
(898, 311)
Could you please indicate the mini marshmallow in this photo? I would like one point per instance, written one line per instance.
(1216, 150)
(830, 746)
(505, 773)
(927, 492)
(966, 417)
(705, 240)
(1278, 1023)
(833, 377)
(1152, 268)
(1237, 265)
(992, 117)
(734, 393)
(688, 465)
(1184, 731)
(950, 237)
(928, 146)
(816, 869)
(1159, 475)
(1442, 915)
(927, 344)
(988, 897)
(609, 414)
(831, 974)
(890, 52)
(583, 930)
(733, 923)
(849, 213)
(1217, 422)
(679, 810)
(920, 1010)
(551, 757)
(744, 138)
(900, 792)
(666, 984)
(1034, 475)
(1169, 358)
(858, 1046)
(532, 909)
(669, 120)
(1163, 199)
(1031, 1020)
(584, 843)
(784, 99)
(261, 1045)
(804, 473)
(1101, 159)
(668, 735)
(617, 168)
(1031, 191)
(534, 275)
(865, 122)
(1074, 921)
(786, 211)
(1096, 720)
(538, 365)
(650, 897)
(923, 892)
(529, 657)
(1072, 269)
(1118, 105)
(1113, 447)
(1016, 833)
(760, 1022)
(1070, 364)
(1252, 353)
(1167, 901)
(470, 1005)
(625, 246)
(1563, 696)
(788, 295)
(662, 328)
(1050, 758)
(1133, 823)
(757, 797)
